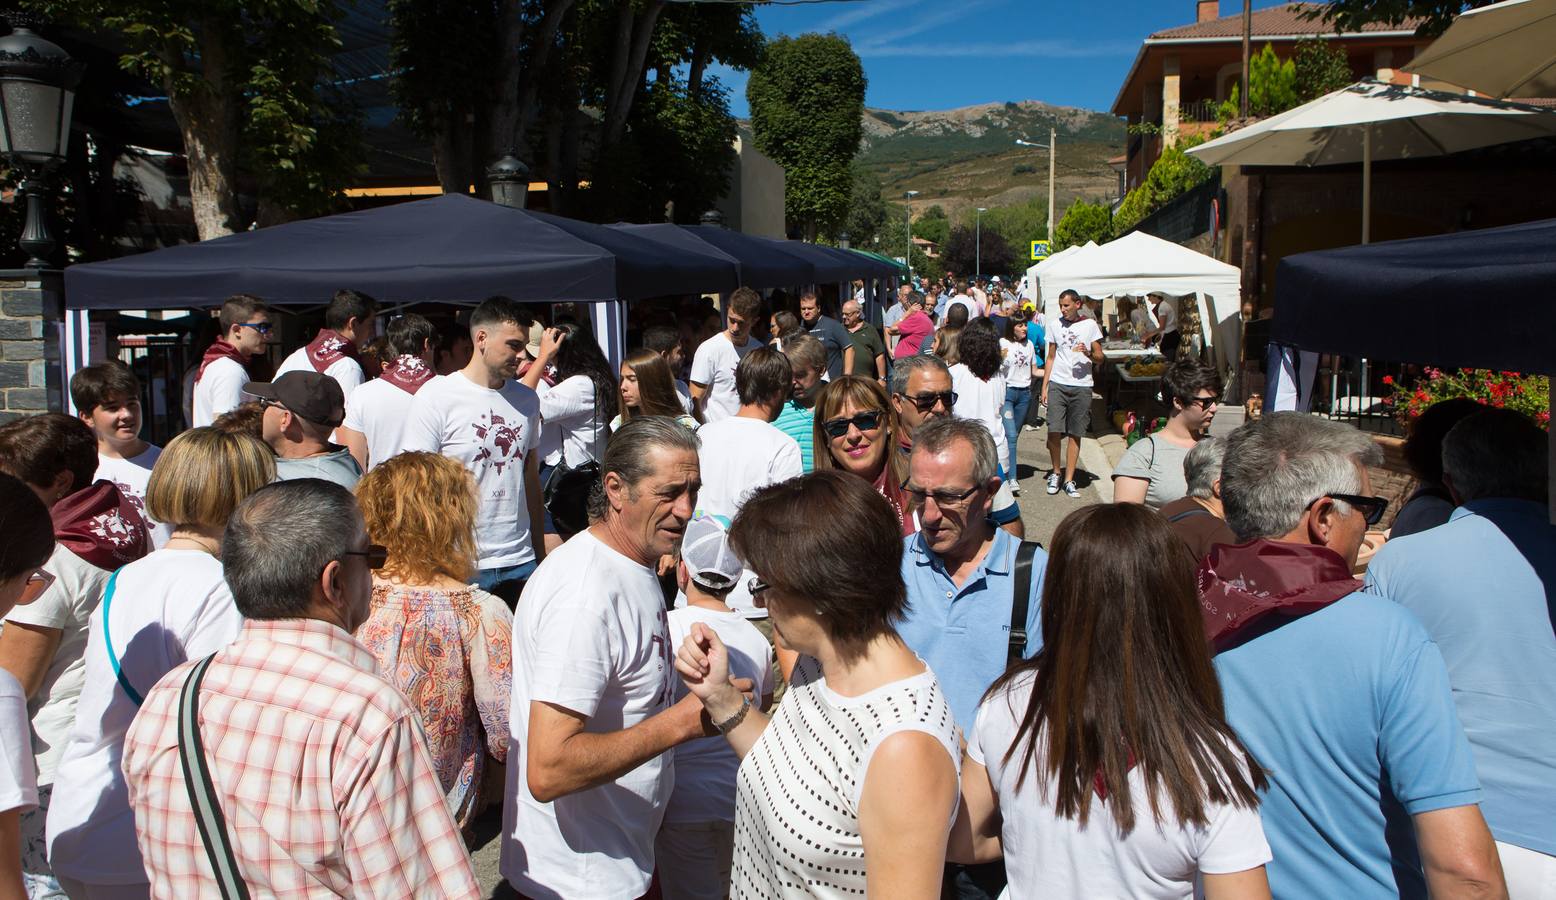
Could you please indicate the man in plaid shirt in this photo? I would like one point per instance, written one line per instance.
(320, 766)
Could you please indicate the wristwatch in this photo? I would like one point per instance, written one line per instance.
(733, 722)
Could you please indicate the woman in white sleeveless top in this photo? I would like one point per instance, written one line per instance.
(850, 786)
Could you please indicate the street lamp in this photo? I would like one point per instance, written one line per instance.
(978, 243)
(1050, 148)
(37, 90)
(509, 178)
(712, 217)
(842, 239)
(907, 253)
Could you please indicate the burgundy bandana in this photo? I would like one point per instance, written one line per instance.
(1243, 584)
(408, 373)
(329, 347)
(220, 350)
(100, 525)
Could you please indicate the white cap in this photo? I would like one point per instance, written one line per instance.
(709, 559)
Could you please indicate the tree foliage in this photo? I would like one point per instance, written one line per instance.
(1173, 174)
(932, 225)
(1321, 67)
(1351, 15)
(806, 99)
(1272, 87)
(961, 255)
(1083, 222)
(867, 215)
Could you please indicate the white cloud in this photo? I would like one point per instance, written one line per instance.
(862, 10)
(918, 25)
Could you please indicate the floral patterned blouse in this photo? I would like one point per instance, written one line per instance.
(450, 653)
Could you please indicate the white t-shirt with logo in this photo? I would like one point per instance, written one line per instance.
(705, 768)
(131, 476)
(378, 411)
(168, 608)
(18, 780)
(739, 455)
(714, 365)
(1050, 856)
(1071, 365)
(219, 390)
(346, 371)
(1016, 365)
(491, 432)
(570, 425)
(589, 635)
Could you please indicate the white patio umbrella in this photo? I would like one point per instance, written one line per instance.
(1503, 50)
(1372, 120)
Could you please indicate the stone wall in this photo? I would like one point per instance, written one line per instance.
(29, 363)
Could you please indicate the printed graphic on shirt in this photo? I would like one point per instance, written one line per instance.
(663, 658)
(329, 348)
(501, 444)
(136, 503)
(114, 528)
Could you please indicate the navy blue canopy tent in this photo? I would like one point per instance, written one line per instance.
(1423, 300)
(450, 248)
(762, 263)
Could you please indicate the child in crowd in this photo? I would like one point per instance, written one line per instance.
(107, 398)
(696, 843)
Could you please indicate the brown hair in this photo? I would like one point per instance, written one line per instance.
(948, 344)
(237, 309)
(245, 418)
(863, 394)
(855, 584)
(656, 387)
(203, 474)
(422, 506)
(762, 374)
(1125, 677)
(96, 384)
(746, 303)
(37, 448)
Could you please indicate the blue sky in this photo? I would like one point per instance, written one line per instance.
(941, 54)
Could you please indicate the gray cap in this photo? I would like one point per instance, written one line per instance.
(709, 559)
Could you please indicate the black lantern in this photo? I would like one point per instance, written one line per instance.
(713, 217)
(509, 178)
(842, 239)
(37, 90)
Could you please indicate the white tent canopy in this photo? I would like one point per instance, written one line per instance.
(1033, 280)
(1138, 264)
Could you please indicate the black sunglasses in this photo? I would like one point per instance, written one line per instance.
(1371, 508)
(865, 421)
(927, 402)
(375, 554)
(261, 327)
(1201, 402)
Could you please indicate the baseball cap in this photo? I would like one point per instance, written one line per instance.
(310, 395)
(536, 332)
(709, 559)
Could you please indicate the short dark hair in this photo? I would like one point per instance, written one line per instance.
(279, 540)
(661, 338)
(956, 316)
(856, 584)
(763, 373)
(1185, 378)
(1424, 444)
(408, 334)
(1497, 453)
(96, 384)
(37, 448)
(239, 308)
(348, 305)
(245, 418)
(499, 310)
(745, 303)
(28, 529)
(1071, 293)
(979, 349)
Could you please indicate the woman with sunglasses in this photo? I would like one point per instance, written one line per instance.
(849, 786)
(854, 422)
(980, 387)
(442, 641)
(1103, 766)
(1151, 471)
(28, 544)
(170, 607)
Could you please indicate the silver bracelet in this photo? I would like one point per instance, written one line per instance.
(733, 722)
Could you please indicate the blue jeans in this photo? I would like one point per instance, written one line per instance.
(505, 582)
(1017, 401)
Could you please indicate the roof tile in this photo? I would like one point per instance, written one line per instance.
(1276, 20)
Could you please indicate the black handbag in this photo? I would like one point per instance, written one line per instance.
(567, 488)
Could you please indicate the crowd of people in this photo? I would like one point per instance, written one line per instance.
(757, 618)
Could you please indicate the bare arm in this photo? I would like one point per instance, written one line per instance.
(535, 502)
(975, 836)
(880, 366)
(1048, 370)
(703, 663)
(356, 442)
(549, 342)
(909, 795)
(1129, 489)
(1250, 884)
(848, 359)
(564, 759)
(11, 887)
(26, 651)
(1095, 351)
(1458, 854)
(1016, 527)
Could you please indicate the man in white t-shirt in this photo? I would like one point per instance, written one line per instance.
(348, 326)
(374, 428)
(713, 365)
(1074, 349)
(486, 419)
(746, 451)
(107, 399)
(222, 376)
(962, 298)
(695, 845)
(592, 710)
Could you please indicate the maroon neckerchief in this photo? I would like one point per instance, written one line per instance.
(887, 487)
(329, 347)
(1243, 584)
(220, 350)
(408, 373)
(100, 525)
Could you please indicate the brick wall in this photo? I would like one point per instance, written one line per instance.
(29, 366)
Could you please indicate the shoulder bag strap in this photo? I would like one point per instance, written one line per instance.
(202, 792)
(113, 658)
(1021, 601)
(1196, 511)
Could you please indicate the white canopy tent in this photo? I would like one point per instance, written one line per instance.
(1138, 264)
(1033, 281)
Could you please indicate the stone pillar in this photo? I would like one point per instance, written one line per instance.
(1170, 98)
(31, 306)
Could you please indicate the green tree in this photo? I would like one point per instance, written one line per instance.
(867, 215)
(961, 253)
(1018, 225)
(1173, 174)
(806, 99)
(1321, 67)
(1273, 87)
(932, 225)
(1083, 222)
(1351, 15)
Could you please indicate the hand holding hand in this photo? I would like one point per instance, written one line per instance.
(703, 662)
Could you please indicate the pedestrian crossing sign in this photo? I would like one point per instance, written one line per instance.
(1040, 250)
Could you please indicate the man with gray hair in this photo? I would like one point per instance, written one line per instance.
(591, 712)
(1197, 517)
(316, 767)
(869, 349)
(1484, 585)
(1340, 695)
(963, 577)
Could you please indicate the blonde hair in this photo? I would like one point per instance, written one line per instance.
(862, 394)
(422, 506)
(203, 474)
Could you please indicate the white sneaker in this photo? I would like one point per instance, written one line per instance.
(1072, 490)
(1053, 482)
(1015, 487)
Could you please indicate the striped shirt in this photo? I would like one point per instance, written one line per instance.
(321, 771)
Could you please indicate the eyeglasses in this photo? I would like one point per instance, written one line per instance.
(756, 586)
(261, 327)
(865, 421)
(38, 582)
(375, 554)
(1201, 402)
(947, 499)
(1371, 508)
(267, 402)
(927, 402)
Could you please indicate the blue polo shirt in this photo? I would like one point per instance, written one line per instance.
(963, 633)
(1348, 711)
(1483, 585)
